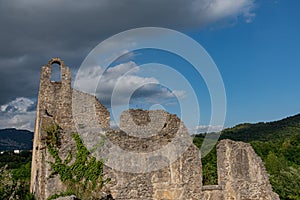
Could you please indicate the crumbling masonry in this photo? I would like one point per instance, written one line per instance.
(161, 174)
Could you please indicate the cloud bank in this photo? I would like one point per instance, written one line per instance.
(34, 31)
(19, 113)
(125, 78)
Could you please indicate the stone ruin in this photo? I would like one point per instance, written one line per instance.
(148, 160)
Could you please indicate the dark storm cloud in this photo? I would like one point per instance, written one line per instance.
(33, 31)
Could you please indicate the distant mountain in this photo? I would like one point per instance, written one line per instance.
(270, 131)
(11, 139)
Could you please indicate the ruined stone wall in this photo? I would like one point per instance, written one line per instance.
(241, 172)
(55, 107)
(166, 173)
(151, 157)
(88, 112)
(54, 101)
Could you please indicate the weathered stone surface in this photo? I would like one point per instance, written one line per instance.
(242, 172)
(55, 101)
(166, 175)
(151, 157)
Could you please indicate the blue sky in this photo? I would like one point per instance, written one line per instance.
(255, 45)
(259, 62)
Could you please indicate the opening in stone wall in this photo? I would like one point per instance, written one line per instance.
(56, 71)
(210, 168)
(209, 162)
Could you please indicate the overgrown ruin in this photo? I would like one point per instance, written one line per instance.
(162, 164)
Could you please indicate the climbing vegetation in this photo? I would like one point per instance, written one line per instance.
(81, 175)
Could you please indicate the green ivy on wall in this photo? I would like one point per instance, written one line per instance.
(84, 175)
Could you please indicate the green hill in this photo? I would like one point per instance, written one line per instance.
(274, 131)
(11, 139)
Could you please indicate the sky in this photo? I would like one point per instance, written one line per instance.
(254, 44)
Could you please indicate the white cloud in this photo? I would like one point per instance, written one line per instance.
(180, 94)
(20, 104)
(214, 10)
(206, 129)
(18, 114)
(122, 69)
(123, 79)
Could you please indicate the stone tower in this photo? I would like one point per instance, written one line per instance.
(55, 107)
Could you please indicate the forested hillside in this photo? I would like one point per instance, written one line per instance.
(11, 139)
(269, 131)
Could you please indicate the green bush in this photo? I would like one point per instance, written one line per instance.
(13, 186)
(23, 172)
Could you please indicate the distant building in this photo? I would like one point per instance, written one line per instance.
(17, 151)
